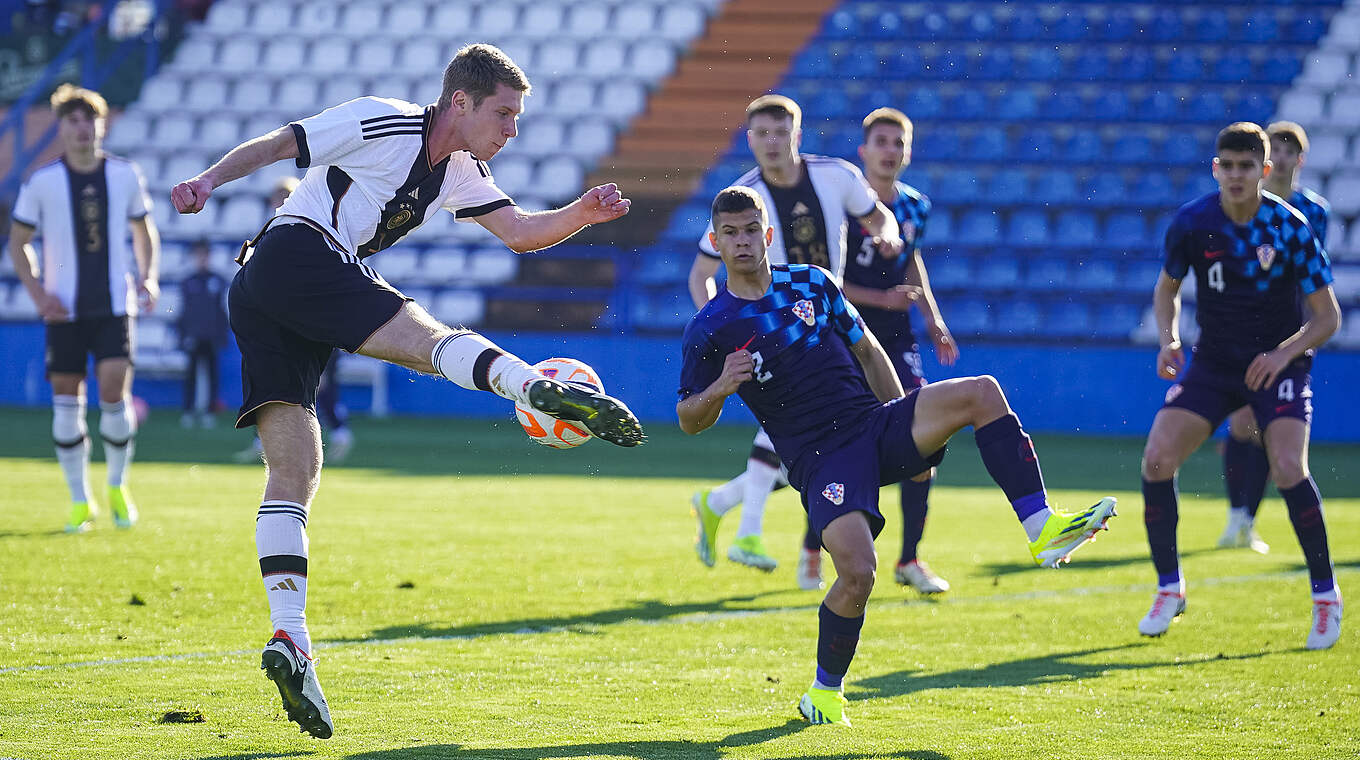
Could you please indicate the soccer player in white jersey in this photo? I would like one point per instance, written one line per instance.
(812, 199)
(88, 289)
(1246, 468)
(376, 169)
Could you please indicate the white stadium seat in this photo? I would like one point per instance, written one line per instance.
(512, 174)
(242, 216)
(491, 266)
(340, 89)
(558, 178)
(621, 101)
(681, 22)
(361, 19)
(1344, 31)
(420, 55)
(173, 130)
(651, 60)
(496, 17)
(459, 307)
(521, 51)
(128, 131)
(451, 18)
(1343, 110)
(539, 137)
(329, 55)
(590, 139)
(543, 20)
(196, 54)
(587, 21)
(374, 56)
(634, 21)
(398, 265)
(574, 97)
(556, 58)
(406, 17)
(162, 92)
(206, 95)
(1304, 107)
(1325, 68)
(252, 94)
(605, 58)
(1326, 148)
(300, 91)
(1344, 193)
(284, 55)
(194, 226)
(228, 16)
(441, 265)
(313, 17)
(271, 17)
(238, 54)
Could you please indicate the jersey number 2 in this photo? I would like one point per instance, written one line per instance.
(1216, 276)
(760, 362)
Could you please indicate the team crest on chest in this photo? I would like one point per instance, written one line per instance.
(834, 493)
(804, 311)
(1266, 255)
(908, 232)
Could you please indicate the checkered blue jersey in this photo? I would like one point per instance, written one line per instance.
(807, 388)
(1314, 208)
(1250, 278)
(866, 267)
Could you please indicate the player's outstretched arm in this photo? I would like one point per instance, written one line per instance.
(1323, 322)
(698, 412)
(1166, 307)
(946, 350)
(878, 369)
(190, 195)
(525, 231)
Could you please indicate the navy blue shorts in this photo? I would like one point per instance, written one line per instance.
(70, 343)
(1213, 391)
(294, 301)
(845, 477)
(905, 356)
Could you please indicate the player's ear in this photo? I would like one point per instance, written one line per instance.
(1265, 169)
(769, 235)
(860, 152)
(713, 240)
(1213, 167)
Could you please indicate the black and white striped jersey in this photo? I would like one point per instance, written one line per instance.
(369, 181)
(81, 221)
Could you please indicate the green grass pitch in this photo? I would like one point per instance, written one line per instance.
(475, 597)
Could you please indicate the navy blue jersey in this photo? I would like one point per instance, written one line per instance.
(1249, 277)
(1314, 208)
(864, 266)
(808, 388)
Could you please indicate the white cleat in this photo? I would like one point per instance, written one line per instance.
(295, 674)
(1240, 533)
(810, 569)
(1326, 624)
(919, 576)
(1166, 606)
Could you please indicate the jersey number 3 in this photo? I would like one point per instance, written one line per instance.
(760, 362)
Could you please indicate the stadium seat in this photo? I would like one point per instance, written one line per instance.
(558, 178)
(359, 19)
(242, 216)
(1083, 146)
(969, 316)
(283, 56)
(1095, 274)
(556, 57)
(1126, 230)
(374, 57)
(979, 228)
(587, 22)
(1018, 105)
(923, 103)
(173, 130)
(988, 144)
(1344, 193)
(1304, 107)
(406, 16)
(1092, 64)
(605, 55)
(491, 266)
(1110, 105)
(1280, 67)
(633, 21)
(1076, 229)
(446, 18)
(1063, 105)
(969, 105)
(1259, 26)
(495, 19)
(1157, 106)
(1156, 189)
(680, 22)
(1106, 189)
(590, 138)
(1037, 145)
(1042, 64)
(1046, 273)
(1233, 67)
(1070, 319)
(1343, 109)
(958, 187)
(1027, 227)
(299, 90)
(938, 144)
(513, 174)
(1207, 107)
(238, 54)
(329, 55)
(1132, 148)
(994, 64)
(162, 92)
(1056, 188)
(399, 265)
(1025, 26)
(1069, 27)
(228, 18)
(1116, 320)
(439, 265)
(1018, 319)
(459, 307)
(196, 54)
(1009, 186)
(625, 100)
(1185, 66)
(997, 273)
(1306, 27)
(1132, 65)
(1325, 68)
(1211, 26)
(1119, 25)
(948, 271)
(1166, 25)
(127, 132)
(842, 24)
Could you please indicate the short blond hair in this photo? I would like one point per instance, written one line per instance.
(1289, 133)
(69, 97)
(886, 115)
(778, 106)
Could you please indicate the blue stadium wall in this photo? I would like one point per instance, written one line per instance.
(1104, 390)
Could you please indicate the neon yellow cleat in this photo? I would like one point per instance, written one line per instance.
(706, 545)
(1065, 533)
(120, 503)
(81, 516)
(751, 551)
(823, 706)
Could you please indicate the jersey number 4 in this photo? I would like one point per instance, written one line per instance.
(1216, 277)
(760, 362)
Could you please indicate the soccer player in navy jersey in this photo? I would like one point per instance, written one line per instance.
(1257, 264)
(888, 285)
(1246, 468)
(377, 168)
(86, 207)
(786, 340)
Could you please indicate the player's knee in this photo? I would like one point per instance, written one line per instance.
(857, 576)
(1287, 470)
(1159, 463)
(986, 396)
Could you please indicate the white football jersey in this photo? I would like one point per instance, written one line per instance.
(97, 221)
(369, 181)
(840, 189)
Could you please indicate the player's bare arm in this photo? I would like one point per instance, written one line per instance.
(526, 231)
(878, 369)
(1323, 322)
(26, 267)
(1166, 307)
(146, 247)
(882, 225)
(946, 350)
(190, 195)
(698, 412)
(702, 283)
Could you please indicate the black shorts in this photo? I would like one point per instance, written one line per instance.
(294, 301)
(69, 343)
(1214, 391)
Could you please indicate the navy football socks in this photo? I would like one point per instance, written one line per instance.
(1008, 454)
(1305, 512)
(1160, 515)
(914, 496)
(1246, 470)
(837, 638)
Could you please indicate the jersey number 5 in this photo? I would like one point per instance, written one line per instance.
(1216, 276)
(760, 362)
(867, 252)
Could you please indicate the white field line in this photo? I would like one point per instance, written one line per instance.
(696, 617)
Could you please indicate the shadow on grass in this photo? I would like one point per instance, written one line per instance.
(651, 750)
(1080, 563)
(645, 611)
(1046, 669)
(259, 756)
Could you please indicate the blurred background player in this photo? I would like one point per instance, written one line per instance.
(202, 330)
(1246, 468)
(887, 288)
(83, 206)
(813, 200)
(1252, 255)
(795, 349)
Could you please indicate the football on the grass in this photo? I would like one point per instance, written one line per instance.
(550, 431)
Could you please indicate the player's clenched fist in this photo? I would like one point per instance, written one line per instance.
(604, 203)
(188, 197)
(1170, 361)
(738, 367)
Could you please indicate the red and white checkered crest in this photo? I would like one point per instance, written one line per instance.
(834, 493)
(804, 311)
(1266, 255)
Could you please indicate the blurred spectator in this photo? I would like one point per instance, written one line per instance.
(202, 328)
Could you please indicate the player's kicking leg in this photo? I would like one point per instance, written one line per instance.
(850, 542)
(1175, 434)
(1246, 470)
(292, 451)
(414, 339)
(1287, 443)
(944, 408)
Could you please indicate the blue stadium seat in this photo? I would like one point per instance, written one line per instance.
(924, 103)
(1211, 26)
(1306, 27)
(1131, 148)
(841, 25)
(1070, 27)
(950, 65)
(1132, 64)
(815, 138)
(1076, 229)
(1068, 319)
(904, 62)
(857, 61)
(1157, 106)
(979, 228)
(1208, 107)
(885, 25)
(1119, 26)
(1082, 147)
(921, 180)
(1036, 144)
(1185, 65)
(1110, 105)
(1047, 273)
(1185, 150)
(980, 26)
(1155, 189)
(1063, 105)
(662, 265)
(1008, 187)
(1025, 25)
(995, 63)
(1140, 276)
(1198, 183)
(1027, 227)
(972, 316)
(1090, 63)
(1233, 67)
(1042, 64)
(988, 144)
(1166, 25)
(934, 25)
(1018, 105)
(1256, 106)
(1056, 188)
(949, 271)
(1116, 320)
(1095, 274)
(969, 105)
(941, 225)
(938, 144)
(1018, 319)
(1106, 189)
(1259, 26)
(998, 273)
(957, 187)
(1280, 67)
(1126, 230)
(829, 102)
(814, 61)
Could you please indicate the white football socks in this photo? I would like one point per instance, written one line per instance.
(759, 480)
(475, 363)
(72, 444)
(117, 427)
(728, 495)
(281, 543)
